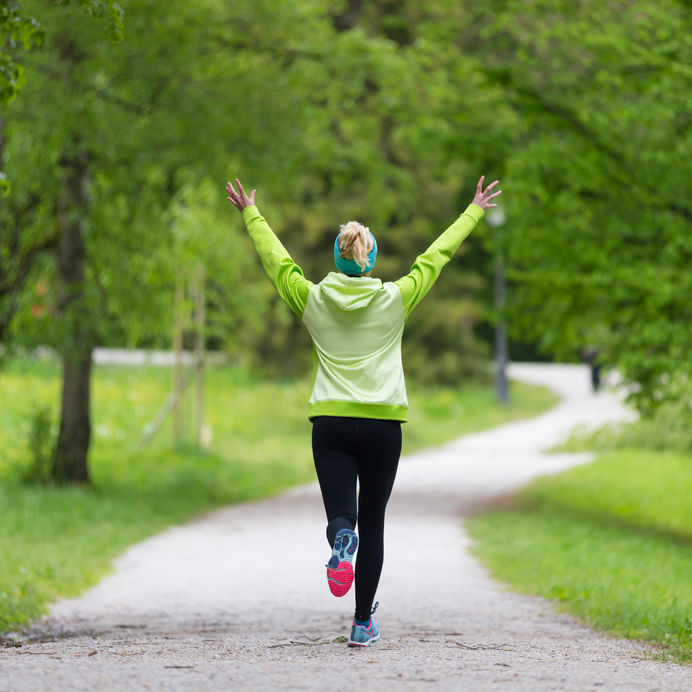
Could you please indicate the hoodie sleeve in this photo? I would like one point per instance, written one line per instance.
(427, 267)
(286, 276)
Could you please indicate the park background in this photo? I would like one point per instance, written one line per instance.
(121, 124)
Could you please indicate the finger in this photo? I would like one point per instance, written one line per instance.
(499, 192)
(243, 195)
(240, 187)
(229, 187)
(479, 186)
(492, 205)
(252, 196)
(491, 186)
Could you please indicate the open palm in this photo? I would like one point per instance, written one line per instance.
(483, 197)
(239, 199)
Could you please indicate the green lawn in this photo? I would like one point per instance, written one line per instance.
(611, 541)
(57, 541)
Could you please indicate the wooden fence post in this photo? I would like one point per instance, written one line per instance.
(178, 326)
(200, 317)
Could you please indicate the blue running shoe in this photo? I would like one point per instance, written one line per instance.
(365, 635)
(339, 568)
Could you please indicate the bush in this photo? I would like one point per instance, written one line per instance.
(41, 447)
(669, 428)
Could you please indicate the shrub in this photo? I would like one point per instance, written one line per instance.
(670, 427)
(41, 446)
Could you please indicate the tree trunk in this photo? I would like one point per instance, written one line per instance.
(75, 426)
(78, 338)
(349, 15)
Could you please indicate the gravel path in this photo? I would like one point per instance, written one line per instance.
(196, 608)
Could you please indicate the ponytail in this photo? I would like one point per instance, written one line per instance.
(356, 243)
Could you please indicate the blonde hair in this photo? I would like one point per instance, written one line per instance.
(355, 242)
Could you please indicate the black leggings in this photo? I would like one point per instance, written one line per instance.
(367, 449)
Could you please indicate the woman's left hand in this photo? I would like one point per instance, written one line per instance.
(239, 199)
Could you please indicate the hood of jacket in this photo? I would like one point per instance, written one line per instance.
(349, 292)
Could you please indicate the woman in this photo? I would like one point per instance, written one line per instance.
(359, 399)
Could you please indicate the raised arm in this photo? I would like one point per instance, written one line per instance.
(286, 276)
(427, 267)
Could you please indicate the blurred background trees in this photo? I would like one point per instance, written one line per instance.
(387, 112)
(600, 211)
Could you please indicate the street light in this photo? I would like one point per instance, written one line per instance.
(496, 218)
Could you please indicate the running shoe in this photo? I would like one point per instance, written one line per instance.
(365, 635)
(339, 567)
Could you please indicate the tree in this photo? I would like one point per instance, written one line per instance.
(109, 142)
(18, 32)
(102, 140)
(21, 31)
(597, 178)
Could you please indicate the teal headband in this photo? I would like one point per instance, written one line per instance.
(349, 266)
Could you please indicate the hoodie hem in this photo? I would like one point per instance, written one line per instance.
(358, 409)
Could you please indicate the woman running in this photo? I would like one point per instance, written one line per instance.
(358, 401)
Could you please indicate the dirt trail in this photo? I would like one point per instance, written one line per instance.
(197, 608)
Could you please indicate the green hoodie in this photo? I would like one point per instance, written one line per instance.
(356, 323)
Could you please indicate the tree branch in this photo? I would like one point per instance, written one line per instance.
(26, 261)
(581, 128)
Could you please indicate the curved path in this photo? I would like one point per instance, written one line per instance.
(197, 607)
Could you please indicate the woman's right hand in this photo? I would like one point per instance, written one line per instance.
(483, 197)
(239, 199)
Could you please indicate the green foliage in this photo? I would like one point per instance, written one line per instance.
(162, 129)
(596, 177)
(609, 541)
(109, 10)
(667, 429)
(433, 351)
(16, 31)
(59, 540)
(20, 31)
(130, 107)
(41, 443)
(383, 112)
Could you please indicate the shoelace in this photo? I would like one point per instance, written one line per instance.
(372, 612)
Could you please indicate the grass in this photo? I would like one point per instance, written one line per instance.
(58, 541)
(610, 541)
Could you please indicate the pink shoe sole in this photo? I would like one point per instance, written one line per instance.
(340, 578)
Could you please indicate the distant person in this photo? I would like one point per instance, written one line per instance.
(358, 401)
(590, 356)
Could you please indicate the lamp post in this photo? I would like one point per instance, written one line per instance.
(496, 218)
